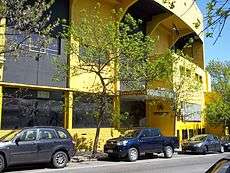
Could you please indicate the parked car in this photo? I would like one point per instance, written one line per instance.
(141, 141)
(221, 166)
(37, 145)
(203, 144)
(226, 143)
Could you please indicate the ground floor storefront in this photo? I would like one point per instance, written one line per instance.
(25, 105)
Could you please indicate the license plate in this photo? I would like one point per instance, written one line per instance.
(109, 151)
(188, 150)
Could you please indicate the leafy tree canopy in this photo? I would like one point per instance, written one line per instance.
(218, 110)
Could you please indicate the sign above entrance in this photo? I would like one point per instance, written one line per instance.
(161, 92)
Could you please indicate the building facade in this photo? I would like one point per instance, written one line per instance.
(30, 95)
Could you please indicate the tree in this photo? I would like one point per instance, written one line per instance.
(186, 85)
(216, 16)
(220, 73)
(218, 13)
(218, 110)
(112, 51)
(24, 19)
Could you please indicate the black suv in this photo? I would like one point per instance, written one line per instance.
(36, 145)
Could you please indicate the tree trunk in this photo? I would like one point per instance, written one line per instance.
(96, 139)
(101, 115)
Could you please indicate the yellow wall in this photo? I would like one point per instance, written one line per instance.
(163, 119)
(89, 134)
(187, 11)
(88, 82)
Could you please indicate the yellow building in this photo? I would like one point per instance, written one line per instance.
(30, 97)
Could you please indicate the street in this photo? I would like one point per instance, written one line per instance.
(183, 163)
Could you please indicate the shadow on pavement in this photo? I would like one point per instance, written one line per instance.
(144, 157)
(27, 167)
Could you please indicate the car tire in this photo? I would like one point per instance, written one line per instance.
(2, 163)
(205, 150)
(168, 152)
(59, 159)
(221, 149)
(133, 154)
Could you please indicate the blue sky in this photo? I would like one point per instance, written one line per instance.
(221, 49)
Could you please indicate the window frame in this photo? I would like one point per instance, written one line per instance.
(26, 130)
(67, 136)
(47, 129)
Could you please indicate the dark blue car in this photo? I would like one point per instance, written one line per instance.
(141, 141)
(203, 144)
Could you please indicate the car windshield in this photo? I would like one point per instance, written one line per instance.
(9, 136)
(132, 134)
(199, 138)
(225, 138)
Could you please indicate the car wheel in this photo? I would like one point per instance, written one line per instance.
(2, 163)
(132, 154)
(59, 159)
(221, 149)
(205, 150)
(168, 152)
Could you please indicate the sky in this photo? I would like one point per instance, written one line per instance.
(221, 49)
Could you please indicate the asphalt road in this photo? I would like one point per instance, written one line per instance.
(185, 163)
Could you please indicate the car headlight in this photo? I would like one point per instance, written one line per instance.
(122, 143)
(198, 145)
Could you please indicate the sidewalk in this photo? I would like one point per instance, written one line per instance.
(87, 156)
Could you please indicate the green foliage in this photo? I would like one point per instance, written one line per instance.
(82, 143)
(217, 14)
(220, 73)
(26, 18)
(219, 110)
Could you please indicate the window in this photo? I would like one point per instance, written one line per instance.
(188, 73)
(216, 138)
(191, 111)
(147, 133)
(203, 131)
(178, 134)
(191, 133)
(184, 134)
(37, 45)
(23, 108)
(46, 134)
(182, 70)
(199, 131)
(62, 134)
(200, 79)
(210, 137)
(28, 135)
(155, 132)
(35, 42)
(196, 77)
